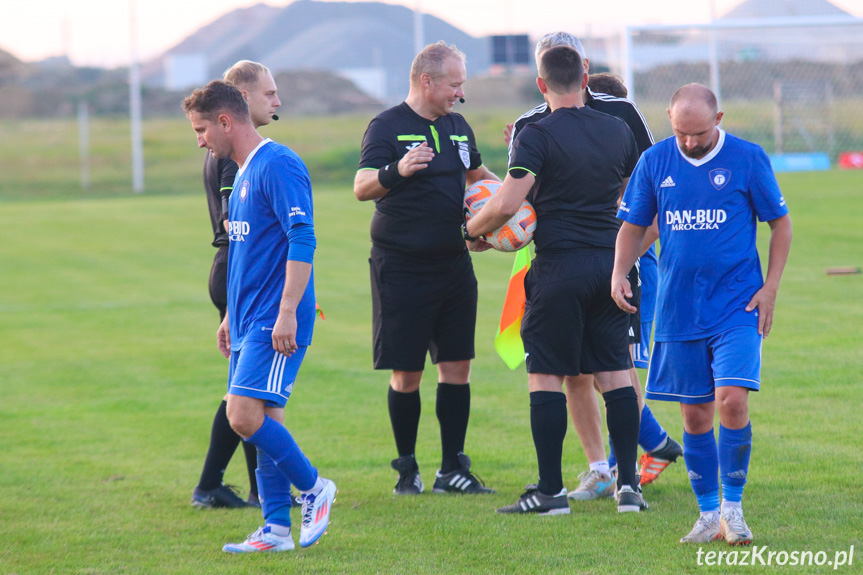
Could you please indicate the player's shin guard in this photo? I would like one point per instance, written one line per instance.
(453, 411)
(735, 446)
(651, 436)
(548, 423)
(702, 464)
(622, 419)
(404, 411)
(274, 491)
(276, 442)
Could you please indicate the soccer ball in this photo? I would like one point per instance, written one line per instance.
(514, 234)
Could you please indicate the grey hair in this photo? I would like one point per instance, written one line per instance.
(431, 60)
(558, 39)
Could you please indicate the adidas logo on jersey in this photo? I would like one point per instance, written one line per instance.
(667, 183)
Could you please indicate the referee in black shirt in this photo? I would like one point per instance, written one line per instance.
(660, 449)
(416, 159)
(580, 159)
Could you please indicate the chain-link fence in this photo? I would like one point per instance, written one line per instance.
(790, 85)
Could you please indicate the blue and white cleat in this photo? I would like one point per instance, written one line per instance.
(316, 513)
(261, 540)
(593, 485)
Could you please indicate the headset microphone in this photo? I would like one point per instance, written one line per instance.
(275, 117)
(461, 100)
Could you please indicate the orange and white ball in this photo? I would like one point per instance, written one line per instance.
(515, 233)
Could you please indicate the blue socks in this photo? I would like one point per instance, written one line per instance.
(276, 442)
(651, 436)
(275, 492)
(704, 460)
(702, 464)
(735, 446)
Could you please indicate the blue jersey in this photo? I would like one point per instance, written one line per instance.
(709, 266)
(649, 275)
(272, 193)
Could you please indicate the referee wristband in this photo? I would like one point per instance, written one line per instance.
(465, 235)
(389, 176)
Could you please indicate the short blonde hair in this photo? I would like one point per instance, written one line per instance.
(245, 73)
(431, 60)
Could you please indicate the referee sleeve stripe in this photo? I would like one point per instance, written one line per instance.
(520, 168)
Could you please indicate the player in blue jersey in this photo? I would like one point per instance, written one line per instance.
(708, 189)
(256, 83)
(271, 309)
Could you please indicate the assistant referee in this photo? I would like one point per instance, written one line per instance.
(580, 159)
(416, 159)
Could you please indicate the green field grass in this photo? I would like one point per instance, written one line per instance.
(110, 378)
(40, 158)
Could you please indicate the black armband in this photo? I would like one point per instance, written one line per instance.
(389, 176)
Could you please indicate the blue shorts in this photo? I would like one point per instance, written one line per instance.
(257, 370)
(641, 350)
(690, 371)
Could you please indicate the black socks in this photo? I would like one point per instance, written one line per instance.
(548, 421)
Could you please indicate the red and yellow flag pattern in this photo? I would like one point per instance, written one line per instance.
(508, 342)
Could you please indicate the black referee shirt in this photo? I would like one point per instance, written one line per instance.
(611, 105)
(580, 158)
(218, 183)
(422, 215)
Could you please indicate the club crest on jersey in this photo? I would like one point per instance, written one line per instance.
(719, 178)
(464, 154)
(244, 190)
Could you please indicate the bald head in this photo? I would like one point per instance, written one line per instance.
(695, 117)
(695, 96)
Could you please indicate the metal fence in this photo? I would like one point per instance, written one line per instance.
(793, 85)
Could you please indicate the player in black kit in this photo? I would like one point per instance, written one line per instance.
(416, 158)
(256, 83)
(580, 159)
(660, 449)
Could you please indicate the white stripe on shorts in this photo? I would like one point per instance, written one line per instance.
(274, 382)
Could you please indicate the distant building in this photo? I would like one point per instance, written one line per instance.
(183, 71)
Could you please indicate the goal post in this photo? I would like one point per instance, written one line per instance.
(791, 84)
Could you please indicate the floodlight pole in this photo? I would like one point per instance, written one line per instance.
(626, 60)
(714, 55)
(84, 143)
(135, 106)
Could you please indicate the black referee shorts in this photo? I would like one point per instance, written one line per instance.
(219, 281)
(421, 306)
(571, 324)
